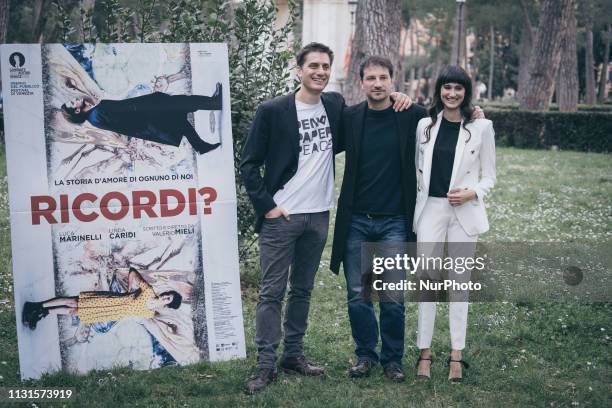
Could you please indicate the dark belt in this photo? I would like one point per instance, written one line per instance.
(377, 216)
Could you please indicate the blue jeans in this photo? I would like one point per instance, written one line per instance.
(392, 231)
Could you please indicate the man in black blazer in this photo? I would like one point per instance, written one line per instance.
(376, 205)
(294, 137)
(156, 117)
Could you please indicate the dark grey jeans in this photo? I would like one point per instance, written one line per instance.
(296, 244)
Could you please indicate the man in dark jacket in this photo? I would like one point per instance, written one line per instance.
(294, 137)
(376, 205)
(156, 117)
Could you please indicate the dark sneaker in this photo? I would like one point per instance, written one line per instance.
(361, 369)
(264, 377)
(299, 365)
(394, 372)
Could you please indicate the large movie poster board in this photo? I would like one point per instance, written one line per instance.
(123, 205)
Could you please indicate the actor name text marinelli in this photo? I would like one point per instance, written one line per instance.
(79, 238)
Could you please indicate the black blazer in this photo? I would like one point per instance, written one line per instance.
(353, 119)
(273, 142)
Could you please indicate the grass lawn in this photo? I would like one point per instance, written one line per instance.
(537, 354)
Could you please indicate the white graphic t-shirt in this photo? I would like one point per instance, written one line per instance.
(311, 189)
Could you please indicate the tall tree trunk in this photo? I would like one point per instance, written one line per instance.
(525, 50)
(38, 20)
(475, 74)
(464, 45)
(413, 84)
(491, 62)
(589, 80)
(419, 76)
(546, 54)
(527, 36)
(567, 83)
(414, 54)
(401, 73)
(4, 18)
(528, 26)
(458, 39)
(589, 64)
(377, 32)
(601, 96)
(434, 77)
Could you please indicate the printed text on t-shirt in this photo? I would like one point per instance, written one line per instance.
(315, 135)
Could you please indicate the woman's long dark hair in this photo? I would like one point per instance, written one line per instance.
(456, 74)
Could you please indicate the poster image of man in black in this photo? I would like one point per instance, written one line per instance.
(156, 117)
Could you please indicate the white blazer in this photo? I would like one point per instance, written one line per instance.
(474, 168)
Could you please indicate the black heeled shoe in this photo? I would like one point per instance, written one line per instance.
(464, 364)
(217, 97)
(417, 366)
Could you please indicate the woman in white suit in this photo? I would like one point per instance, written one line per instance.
(455, 170)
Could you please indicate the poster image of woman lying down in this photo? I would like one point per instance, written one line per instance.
(171, 339)
(156, 117)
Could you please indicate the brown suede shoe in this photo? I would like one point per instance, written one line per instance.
(299, 365)
(264, 377)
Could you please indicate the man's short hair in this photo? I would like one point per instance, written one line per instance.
(378, 61)
(300, 58)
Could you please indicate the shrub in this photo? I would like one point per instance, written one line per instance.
(583, 131)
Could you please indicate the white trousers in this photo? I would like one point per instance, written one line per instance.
(439, 224)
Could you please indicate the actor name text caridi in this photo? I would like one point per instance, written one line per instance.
(447, 284)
